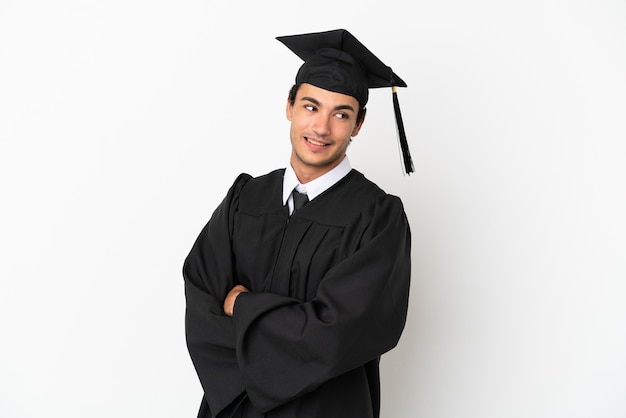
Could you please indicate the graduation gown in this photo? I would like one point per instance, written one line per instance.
(328, 296)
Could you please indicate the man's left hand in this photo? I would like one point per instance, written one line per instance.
(229, 302)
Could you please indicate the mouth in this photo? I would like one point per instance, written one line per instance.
(316, 142)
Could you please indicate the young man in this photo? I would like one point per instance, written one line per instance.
(290, 306)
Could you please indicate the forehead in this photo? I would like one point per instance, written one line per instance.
(326, 97)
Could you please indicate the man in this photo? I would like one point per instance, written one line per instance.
(290, 307)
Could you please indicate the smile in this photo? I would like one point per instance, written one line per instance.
(314, 142)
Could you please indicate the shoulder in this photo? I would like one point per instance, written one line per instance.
(354, 199)
(260, 193)
(380, 211)
(249, 182)
(359, 187)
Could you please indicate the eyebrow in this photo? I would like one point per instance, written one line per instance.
(317, 103)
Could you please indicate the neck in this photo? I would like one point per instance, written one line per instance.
(307, 173)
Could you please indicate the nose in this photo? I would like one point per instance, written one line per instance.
(321, 125)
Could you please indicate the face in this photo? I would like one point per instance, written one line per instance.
(322, 123)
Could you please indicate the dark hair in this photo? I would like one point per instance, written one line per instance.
(293, 91)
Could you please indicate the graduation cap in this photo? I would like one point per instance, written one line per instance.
(336, 61)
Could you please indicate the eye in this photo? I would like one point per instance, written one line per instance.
(341, 115)
(309, 107)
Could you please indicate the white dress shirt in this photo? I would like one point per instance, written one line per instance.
(315, 187)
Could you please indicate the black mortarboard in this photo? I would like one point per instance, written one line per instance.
(335, 60)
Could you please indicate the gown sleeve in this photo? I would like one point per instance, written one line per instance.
(208, 276)
(287, 348)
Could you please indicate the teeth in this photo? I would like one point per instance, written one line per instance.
(315, 142)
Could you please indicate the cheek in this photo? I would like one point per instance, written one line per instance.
(292, 132)
(343, 130)
(297, 120)
(295, 127)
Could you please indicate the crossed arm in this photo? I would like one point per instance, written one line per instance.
(229, 302)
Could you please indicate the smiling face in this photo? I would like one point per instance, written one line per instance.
(322, 123)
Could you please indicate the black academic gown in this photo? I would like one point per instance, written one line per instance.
(329, 293)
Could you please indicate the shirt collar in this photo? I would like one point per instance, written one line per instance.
(315, 187)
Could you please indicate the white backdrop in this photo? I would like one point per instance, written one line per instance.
(122, 124)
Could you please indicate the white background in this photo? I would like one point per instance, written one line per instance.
(122, 124)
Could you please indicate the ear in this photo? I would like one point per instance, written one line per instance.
(289, 110)
(358, 126)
